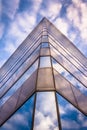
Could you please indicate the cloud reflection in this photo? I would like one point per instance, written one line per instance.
(22, 119)
(69, 77)
(45, 113)
(71, 118)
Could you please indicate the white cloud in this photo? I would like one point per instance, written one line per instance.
(76, 13)
(21, 25)
(26, 21)
(36, 5)
(18, 30)
(76, 1)
(45, 117)
(16, 120)
(67, 124)
(72, 35)
(75, 17)
(10, 8)
(62, 110)
(10, 48)
(52, 10)
(62, 25)
(19, 118)
(81, 117)
(45, 122)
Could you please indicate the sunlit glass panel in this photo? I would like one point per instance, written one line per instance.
(45, 62)
(45, 112)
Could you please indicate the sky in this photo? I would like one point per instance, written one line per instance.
(19, 17)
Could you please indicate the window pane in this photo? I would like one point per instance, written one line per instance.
(69, 77)
(45, 44)
(69, 66)
(45, 112)
(44, 38)
(45, 79)
(71, 118)
(18, 84)
(45, 52)
(45, 62)
(22, 119)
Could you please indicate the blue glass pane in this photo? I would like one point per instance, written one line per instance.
(45, 44)
(22, 119)
(71, 118)
(45, 112)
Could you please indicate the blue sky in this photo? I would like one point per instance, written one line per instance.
(19, 17)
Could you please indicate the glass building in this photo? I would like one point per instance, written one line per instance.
(43, 84)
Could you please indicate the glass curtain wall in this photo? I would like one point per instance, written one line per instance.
(51, 107)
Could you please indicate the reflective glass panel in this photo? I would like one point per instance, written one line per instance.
(71, 118)
(18, 84)
(44, 36)
(69, 66)
(45, 112)
(22, 119)
(11, 71)
(68, 76)
(45, 62)
(45, 44)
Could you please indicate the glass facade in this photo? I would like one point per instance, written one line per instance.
(43, 85)
(45, 112)
(22, 119)
(17, 85)
(45, 44)
(45, 62)
(71, 118)
(69, 76)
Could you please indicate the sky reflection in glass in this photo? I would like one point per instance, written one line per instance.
(22, 119)
(18, 84)
(45, 44)
(71, 118)
(45, 112)
(69, 77)
(45, 62)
